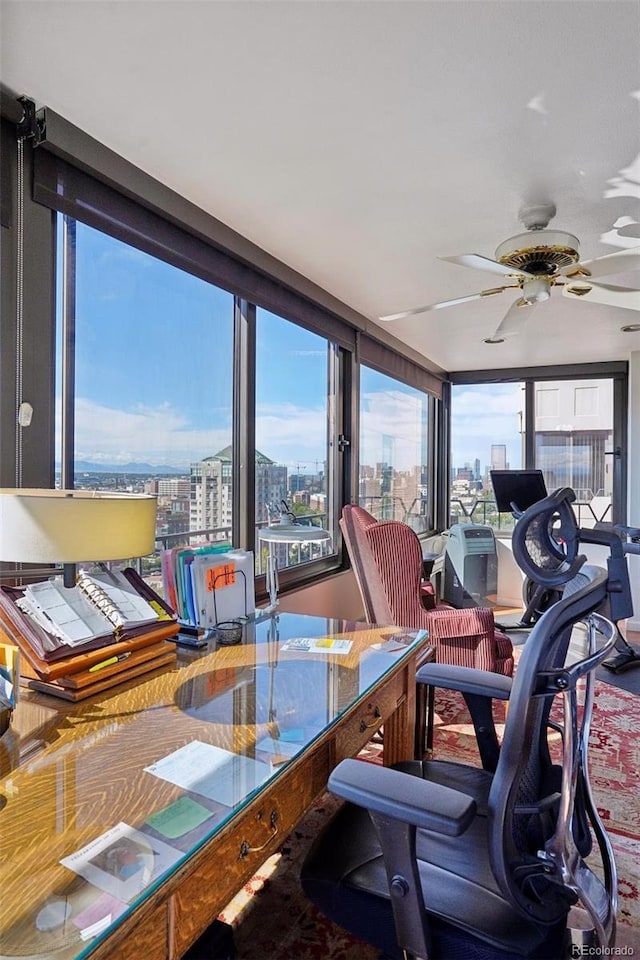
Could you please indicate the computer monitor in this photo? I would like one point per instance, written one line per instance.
(520, 487)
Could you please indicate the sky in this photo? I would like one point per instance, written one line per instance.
(486, 414)
(154, 366)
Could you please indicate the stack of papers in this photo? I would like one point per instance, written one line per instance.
(318, 645)
(210, 584)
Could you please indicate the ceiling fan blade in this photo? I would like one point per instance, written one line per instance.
(443, 303)
(484, 263)
(512, 321)
(605, 266)
(603, 293)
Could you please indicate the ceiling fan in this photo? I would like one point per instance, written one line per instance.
(537, 261)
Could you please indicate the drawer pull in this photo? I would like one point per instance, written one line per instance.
(246, 849)
(377, 716)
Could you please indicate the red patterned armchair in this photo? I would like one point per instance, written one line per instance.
(387, 562)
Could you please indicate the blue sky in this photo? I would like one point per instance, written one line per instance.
(154, 365)
(484, 414)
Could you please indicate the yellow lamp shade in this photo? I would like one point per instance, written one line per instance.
(71, 526)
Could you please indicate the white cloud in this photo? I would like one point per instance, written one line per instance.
(485, 416)
(157, 435)
(163, 436)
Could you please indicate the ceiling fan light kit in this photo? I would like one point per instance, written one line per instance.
(537, 261)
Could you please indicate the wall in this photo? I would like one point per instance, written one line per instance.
(337, 596)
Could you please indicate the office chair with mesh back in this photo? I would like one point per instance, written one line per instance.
(451, 862)
(545, 545)
(387, 563)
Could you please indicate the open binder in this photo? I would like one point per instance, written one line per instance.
(55, 667)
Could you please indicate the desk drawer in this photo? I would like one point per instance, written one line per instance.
(250, 839)
(356, 732)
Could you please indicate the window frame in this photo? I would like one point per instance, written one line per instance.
(617, 371)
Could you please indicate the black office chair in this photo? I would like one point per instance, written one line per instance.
(545, 542)
(451, 862)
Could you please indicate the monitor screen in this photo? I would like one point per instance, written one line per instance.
(520, 487)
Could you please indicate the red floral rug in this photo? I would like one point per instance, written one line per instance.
(273, 920)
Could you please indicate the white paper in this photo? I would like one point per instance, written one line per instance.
(283, 747)
(211, 772)
(122, 861)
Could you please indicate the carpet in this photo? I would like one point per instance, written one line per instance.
(273, 920)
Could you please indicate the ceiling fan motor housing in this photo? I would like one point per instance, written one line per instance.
(551, 250)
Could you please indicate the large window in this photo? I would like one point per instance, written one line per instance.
(161, 352)
(151, 390)
(487, 433)
(572, 428)
(395, 469)
(293, 428)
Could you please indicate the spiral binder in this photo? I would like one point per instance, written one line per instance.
(94, 592)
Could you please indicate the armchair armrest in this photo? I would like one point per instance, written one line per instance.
(465, 679)
(404, 797)
(466, 637)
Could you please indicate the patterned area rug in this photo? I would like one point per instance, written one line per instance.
(273, 920)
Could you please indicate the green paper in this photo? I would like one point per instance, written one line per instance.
(178, 818)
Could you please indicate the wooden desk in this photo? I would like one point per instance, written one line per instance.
(83, 771)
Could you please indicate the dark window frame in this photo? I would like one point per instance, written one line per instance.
(615, 370)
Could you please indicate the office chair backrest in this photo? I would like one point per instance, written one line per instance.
(534, 804)
(545, 540)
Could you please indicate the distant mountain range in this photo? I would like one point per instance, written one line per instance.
(85, 466)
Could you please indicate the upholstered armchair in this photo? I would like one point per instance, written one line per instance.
(386, 557)
(387, 563)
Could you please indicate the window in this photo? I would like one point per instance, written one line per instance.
(143, 422)
(293, 430)
(395, 465)
(574, 444)
(572, 427)
(487, 433)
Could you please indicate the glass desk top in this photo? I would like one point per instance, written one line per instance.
(102, 800)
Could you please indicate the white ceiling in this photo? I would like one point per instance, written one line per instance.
(358, 140)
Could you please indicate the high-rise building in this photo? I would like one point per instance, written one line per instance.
(211, 495)
(499, 456)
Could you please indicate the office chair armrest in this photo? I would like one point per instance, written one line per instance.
(398, 803)
(403, 797)
(479, 689)
(482, 683)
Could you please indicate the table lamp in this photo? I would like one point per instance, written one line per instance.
(73, 526)
(286, 529)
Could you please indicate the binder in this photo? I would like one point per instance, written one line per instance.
(46, 659)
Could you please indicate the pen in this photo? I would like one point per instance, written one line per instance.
(107, 663)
